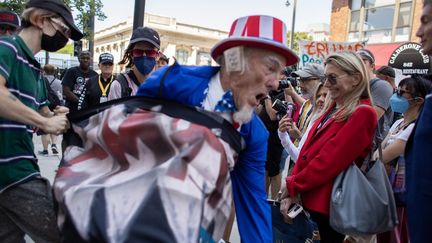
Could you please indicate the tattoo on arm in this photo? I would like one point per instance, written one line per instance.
(12, 97)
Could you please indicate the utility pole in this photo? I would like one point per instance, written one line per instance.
(293, 22)
(139, 14)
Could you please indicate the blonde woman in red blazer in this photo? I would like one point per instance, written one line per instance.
(341, 135)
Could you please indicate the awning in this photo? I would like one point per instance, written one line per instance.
(382, 52)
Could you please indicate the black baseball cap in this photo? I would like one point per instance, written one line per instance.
(9, 18)
(386, 70)
(58, 7)
(106, 58)
(145, 34)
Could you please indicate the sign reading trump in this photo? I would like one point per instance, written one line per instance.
(317, 51)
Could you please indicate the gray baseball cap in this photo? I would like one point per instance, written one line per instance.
(310, 70)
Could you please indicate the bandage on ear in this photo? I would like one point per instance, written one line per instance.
(234, 59)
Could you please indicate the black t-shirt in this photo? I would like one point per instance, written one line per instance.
(75, 79)
(274, 146)
(93, 91)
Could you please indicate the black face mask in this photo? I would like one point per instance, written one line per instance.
(53, 43)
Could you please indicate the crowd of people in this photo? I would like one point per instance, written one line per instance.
(333, 115)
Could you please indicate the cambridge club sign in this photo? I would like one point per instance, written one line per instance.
(410, 59)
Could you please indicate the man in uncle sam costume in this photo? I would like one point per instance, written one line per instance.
(176, 180)
(251, 59)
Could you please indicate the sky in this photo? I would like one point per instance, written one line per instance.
(219, 14)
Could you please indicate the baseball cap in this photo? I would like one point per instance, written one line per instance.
(259, 31)
(106, 58)
(386, 70)
(365, 53)
(145, 34)
(310, 70)
(58, 7)
(9, 18)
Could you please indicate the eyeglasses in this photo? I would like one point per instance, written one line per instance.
(332, 78)
(147, 53)
(5, 28)
(400, 92)
(308, 79)
(65, 30)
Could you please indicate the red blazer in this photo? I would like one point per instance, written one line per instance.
(329, 151)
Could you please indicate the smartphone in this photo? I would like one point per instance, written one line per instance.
(294, 210)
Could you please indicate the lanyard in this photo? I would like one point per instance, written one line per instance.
(104, 89)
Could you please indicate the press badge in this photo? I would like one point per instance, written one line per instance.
(103, 99)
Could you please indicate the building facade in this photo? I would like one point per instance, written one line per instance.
(383, 24)
(188, 44)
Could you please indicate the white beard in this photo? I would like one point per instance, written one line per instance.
(244, 115)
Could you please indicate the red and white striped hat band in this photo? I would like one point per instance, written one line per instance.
(257, 31)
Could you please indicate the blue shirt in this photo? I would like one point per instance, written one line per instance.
(188, 85)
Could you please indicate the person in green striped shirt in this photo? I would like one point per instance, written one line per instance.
(26, 205)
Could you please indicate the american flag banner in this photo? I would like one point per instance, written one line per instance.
(144, 176)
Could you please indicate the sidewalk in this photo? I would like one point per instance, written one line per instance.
(48, 165)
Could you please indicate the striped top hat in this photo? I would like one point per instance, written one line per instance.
(257, 31)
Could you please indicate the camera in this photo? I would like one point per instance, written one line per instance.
(283, 109)
(284, 83)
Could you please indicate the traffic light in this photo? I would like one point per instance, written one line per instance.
(77, 47)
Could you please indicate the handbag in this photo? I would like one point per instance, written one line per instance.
(302, 230)
(362, 202)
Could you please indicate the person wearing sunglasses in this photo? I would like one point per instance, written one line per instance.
(26, 203)
(141, 57)
(9, 23)
(408, 100)
(342, 133)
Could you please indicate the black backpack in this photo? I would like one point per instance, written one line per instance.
(125, 89)
(51, 96)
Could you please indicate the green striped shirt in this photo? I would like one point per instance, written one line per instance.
(24, 80)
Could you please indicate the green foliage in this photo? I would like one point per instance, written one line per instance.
(14, 5)
(298, 36)
(68, 49)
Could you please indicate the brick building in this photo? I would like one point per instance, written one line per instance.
(385, 24)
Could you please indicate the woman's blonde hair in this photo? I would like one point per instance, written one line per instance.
(352, 64)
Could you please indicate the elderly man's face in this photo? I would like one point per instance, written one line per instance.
(425, 29)
(261, 76)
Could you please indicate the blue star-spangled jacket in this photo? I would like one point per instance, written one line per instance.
(188, 85)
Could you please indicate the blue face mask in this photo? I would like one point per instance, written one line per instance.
(144, 64)
(399, 104)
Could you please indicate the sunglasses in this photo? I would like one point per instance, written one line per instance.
(332, 78)
(147, 53)
(64, 29)
(5, 28)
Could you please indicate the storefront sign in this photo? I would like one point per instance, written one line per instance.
(317, 51)
(410, 59)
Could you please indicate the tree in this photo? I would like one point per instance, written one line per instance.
(68, 49)
(298, 36)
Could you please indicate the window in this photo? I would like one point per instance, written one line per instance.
(378, 3)
(379, 18)
(355, 21)
(182, 56)
(373, 20)
(378, 36)
(356, 4)
(404, 15)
